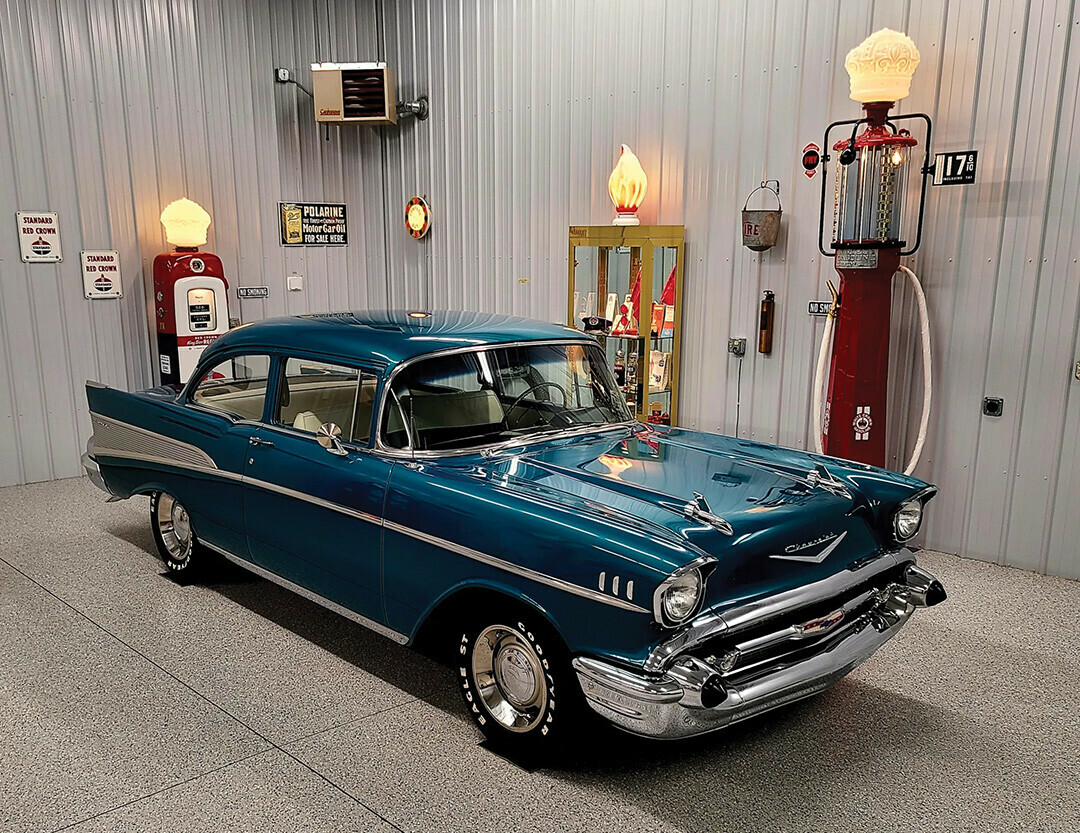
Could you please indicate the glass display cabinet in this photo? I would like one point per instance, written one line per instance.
(626, 290)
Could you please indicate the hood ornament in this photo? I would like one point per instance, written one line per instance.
(698, 509)
(819, 477)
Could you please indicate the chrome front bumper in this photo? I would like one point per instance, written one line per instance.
(692, 696)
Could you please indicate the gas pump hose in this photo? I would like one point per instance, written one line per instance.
(924, 334)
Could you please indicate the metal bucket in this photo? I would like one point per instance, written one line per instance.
(761, 227)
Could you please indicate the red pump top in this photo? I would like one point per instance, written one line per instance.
(877, 132)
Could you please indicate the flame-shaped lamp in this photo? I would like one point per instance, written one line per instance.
(627, 185)
(185, 223)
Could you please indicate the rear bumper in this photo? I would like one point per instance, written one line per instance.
(693, 696)
(93, 471)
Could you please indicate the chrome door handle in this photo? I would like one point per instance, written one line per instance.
(257, 441)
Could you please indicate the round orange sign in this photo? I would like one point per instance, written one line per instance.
(417, 217)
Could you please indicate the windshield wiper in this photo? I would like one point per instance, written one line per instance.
(554, 434)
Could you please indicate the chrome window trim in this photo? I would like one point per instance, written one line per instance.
(184, 396)
(409, 453)
(713, 624)
(372, 372)
(262, 572)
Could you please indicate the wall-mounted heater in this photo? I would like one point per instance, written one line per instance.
(354, 93)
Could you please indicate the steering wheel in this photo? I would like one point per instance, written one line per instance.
(537, 386)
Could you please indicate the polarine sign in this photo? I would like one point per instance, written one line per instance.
(39, 236)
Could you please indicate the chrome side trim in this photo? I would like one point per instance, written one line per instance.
(162, 461)
(509, 567)
(713, 624)
(371, 624)
(317, 501)
(119, 439)
(212, 469)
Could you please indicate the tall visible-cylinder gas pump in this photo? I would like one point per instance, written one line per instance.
(191, 307)
(869, 236)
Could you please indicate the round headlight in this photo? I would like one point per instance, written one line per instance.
(907, 519)
(681, 596)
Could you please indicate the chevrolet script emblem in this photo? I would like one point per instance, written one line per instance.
(794, 552)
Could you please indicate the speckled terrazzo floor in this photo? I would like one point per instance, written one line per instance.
(132, 703)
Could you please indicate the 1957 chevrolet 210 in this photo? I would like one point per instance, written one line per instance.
(479, 479)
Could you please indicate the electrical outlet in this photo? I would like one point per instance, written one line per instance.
(294, 283)
(737, 346)
(993, 406)
(282, 75)
(1077, 371)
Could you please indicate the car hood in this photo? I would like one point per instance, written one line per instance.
(773, 518)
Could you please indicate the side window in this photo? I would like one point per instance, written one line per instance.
(314, 392)
(236, 386)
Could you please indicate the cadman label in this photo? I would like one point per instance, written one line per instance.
(39, 236)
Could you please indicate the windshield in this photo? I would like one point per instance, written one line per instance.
(481, 397)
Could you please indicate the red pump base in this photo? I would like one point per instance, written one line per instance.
(854, 424)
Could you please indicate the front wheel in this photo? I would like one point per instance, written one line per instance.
(174, 536)
(518, 685)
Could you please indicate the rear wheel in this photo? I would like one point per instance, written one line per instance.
(175, 537)
(518, 684)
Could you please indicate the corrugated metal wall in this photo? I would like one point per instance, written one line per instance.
(114, 108)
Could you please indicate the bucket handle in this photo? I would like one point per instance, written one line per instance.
(766, 186)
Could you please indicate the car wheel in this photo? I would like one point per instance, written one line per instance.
(518, 684)
(175, 537)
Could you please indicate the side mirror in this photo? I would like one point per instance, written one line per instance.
(329, 437)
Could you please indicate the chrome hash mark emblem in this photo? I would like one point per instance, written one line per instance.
(791, 553)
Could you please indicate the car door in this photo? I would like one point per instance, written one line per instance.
(223, 409)
(313, 514)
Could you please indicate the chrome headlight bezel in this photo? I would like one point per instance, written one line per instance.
(693, 575)
(902, 519)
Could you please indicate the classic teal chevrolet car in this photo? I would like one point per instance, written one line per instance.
(479, 480)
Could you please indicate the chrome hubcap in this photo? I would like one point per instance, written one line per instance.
(175, 527)
(510, 678)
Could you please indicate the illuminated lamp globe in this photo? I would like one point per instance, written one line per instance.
(880, 68)
(185, 223)
(627, 185)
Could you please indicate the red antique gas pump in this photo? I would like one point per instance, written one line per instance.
(191, 307)
(869, 236)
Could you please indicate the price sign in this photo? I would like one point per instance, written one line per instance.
(955, 168)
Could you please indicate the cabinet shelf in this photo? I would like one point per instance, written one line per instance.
(609, 266)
